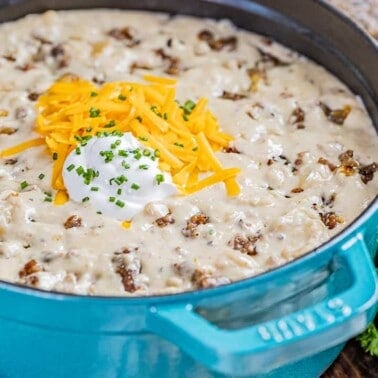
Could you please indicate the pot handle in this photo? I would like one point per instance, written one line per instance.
(263, 347)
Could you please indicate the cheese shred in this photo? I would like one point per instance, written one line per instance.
(185, 137)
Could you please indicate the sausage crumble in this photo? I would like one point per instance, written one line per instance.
(190, 231)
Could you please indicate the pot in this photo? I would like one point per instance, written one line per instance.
(289, 322)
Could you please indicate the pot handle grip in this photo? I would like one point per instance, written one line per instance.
(262, 347)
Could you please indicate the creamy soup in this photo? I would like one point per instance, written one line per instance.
(304, 144)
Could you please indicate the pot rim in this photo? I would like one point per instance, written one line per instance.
(340, 237)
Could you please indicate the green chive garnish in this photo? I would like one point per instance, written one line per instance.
(120, 180)
(159, 178)
(125, 165)
(41, 176)
(80, 170)
(24, 185)
(110, 124)
(94, 112)
(135, 186)
(70, 167)
(120, 203)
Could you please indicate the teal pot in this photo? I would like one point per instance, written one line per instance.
(289, 322)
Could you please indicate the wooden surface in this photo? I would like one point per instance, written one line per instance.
(353, 362)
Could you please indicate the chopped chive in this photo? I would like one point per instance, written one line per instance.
(85, 199)
(123, 153)
(186, 118)
(143, 166)
(165, 116)
(125, 165)
(111, 181)
(70, 167)
(80, 170)
(189, 106)
(144, 139)
(94, 94)
(78, 151)
(47, 199)
(24, 185)
(99, 212)
(41, 176)
(55, 156)
(195, 149)
(159, 178)
(120, 203)
(110, 124)
(89, 175)
(120, 180)
(117, 133)
(112, 199)
(109, 155)
(135, 186)
(94, 189)
(146, 152)
(122, 97)
(157, 153)
(140, 119)
(137, 155)
(88, 129)
(119, 191)
(178, 144)
(94, 112)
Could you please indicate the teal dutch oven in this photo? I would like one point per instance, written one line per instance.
(289, 322)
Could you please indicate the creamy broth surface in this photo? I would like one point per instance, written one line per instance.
(305, 145)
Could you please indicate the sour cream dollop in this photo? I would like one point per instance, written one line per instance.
(117, 175)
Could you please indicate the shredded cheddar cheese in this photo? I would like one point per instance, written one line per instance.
(185, 136)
